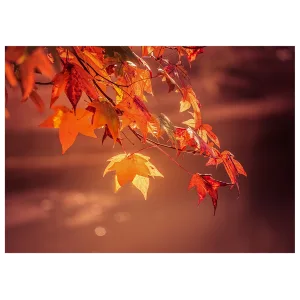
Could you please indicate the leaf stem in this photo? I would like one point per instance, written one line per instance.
(127, 138)
(144, 148)
(156, 145)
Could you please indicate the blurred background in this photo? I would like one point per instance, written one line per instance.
(62, 203)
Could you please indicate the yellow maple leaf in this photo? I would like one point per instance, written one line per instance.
(134, 168)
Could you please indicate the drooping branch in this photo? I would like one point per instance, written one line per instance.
(140, 137)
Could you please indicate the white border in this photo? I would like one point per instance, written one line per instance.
(100, 253)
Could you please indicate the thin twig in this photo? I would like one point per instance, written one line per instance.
(156, 145)
(44, 83)
(127, 138)
(163, 145)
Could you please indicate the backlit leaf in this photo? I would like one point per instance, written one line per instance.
(204, 185)
(69, 125)
(105, 114)
(134, 168)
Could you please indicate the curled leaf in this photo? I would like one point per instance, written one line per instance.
(204, 185)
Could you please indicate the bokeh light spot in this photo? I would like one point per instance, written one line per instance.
(100, 231)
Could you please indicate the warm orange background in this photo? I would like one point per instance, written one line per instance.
(61, 203)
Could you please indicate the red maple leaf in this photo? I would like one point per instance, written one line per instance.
(205, 184)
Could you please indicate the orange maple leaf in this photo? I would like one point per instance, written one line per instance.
(15, 54)
(188, 137)
(231, 165)
(105, 114)
(59, 84)
(135, 113)
(188, 100)
(172, 84)
(36, 60)
(10, 75)
(107, 133)
(134, 81)
(134, 168)
(204, 131)
(93, 58)
(205, 184)
(157, 51)
(69, 125)
(193, 52)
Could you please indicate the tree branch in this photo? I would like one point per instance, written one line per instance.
(99, 88)
(44, 83)
(140, 137)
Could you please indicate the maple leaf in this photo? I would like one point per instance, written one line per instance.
(134, 81)
(10, 75)
(105, 114)
(146, 50)
(69, 125)
(107, 133)
(68, 55)
(28, 64)
(205, 184)
(79, 80)
(165, 125)
(15, 54)
(59, 85)
(110, 69)
(204, 131)
(98, 71)
(188, 137)
(135, 112)
(93, 58)
(54, 58)
(142, 61)
(172, 84)
(124, 52)
(193, 52)
(134, 168)
(231, 165)
(189, 99)
(156, 51)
